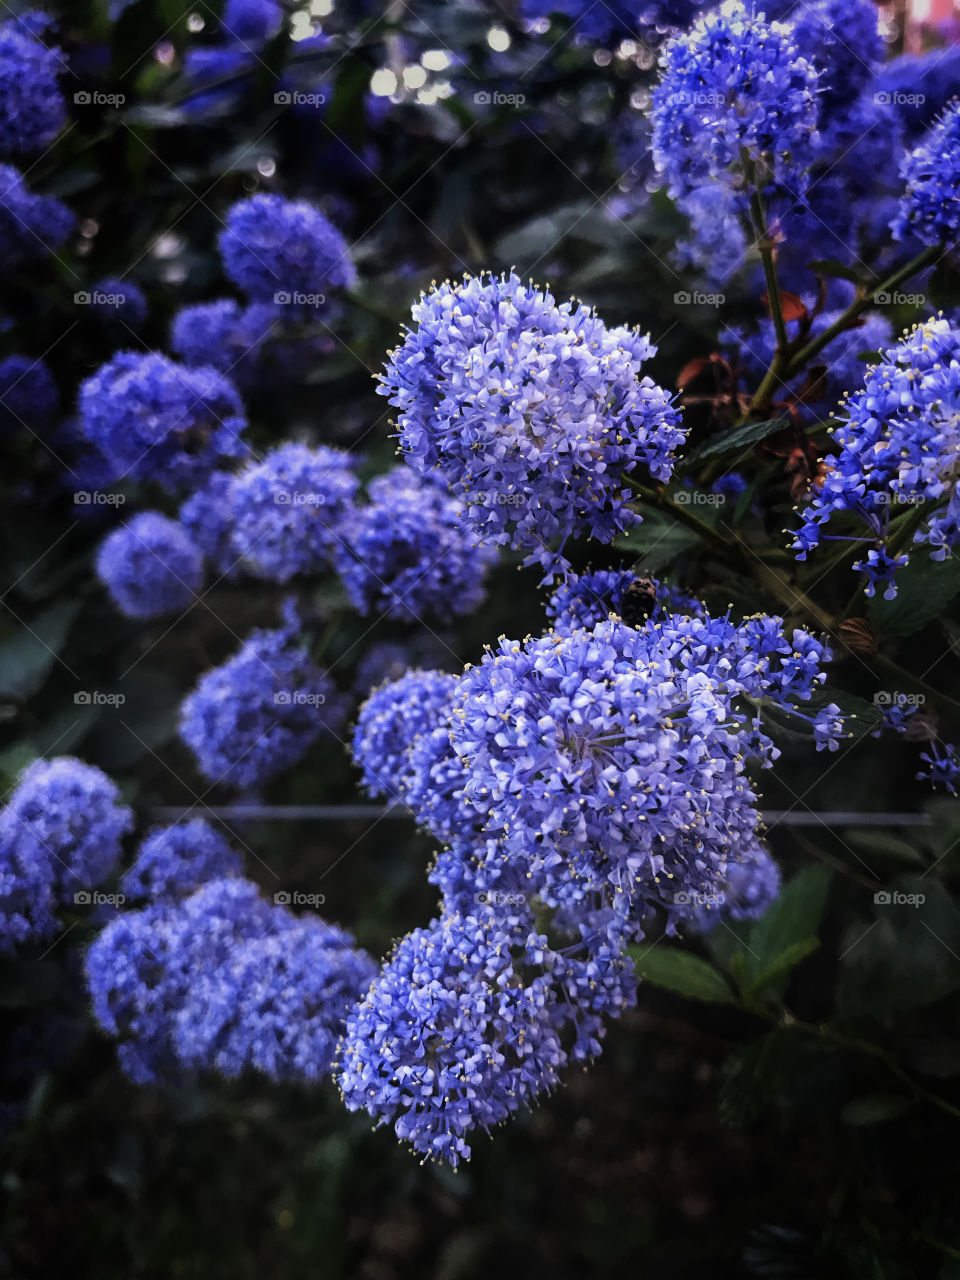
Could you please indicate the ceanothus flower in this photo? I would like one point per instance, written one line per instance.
(533, 414)
(260, 711)
(842, 39)
(150, 566)
(289, 508)
(615, 759)
(119, 303)
(734, 91)
(943, 767)
(64, 817)
(207, 515)
(141, 968)
(251, 20)
(751, 884)
(452, 1036)
(275, 249)
(390, 721)
(899, 444)
(277, 1005)
(28, 394)
(409, 555)
(154, 419)
(226, 335)
(174, 861)
(30, 226)
(390, 659)
(28, 901)
(585, 599)
(930, 205)
(32, 109)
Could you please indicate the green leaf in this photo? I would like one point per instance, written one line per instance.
(875, 1108)
(682, 972)
(657, 541)
(29, 653)
(751, 1076)
(924, 589)
(793, 918)
(830, 267)
(782, 964)
(738, 438)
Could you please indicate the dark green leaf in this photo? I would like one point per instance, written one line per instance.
(32, 649)
(751, 1076)
(738, 439)
(875, 1108)
(924, 588)
(657, 541)
(682, 972)
(782, 964)
(794, 917)
(829, 267)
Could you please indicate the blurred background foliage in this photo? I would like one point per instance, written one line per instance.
(818, 1161)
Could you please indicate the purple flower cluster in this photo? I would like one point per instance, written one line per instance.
(733, 92)
(409, 555)
(153, 419)
(389, 723)
(930, 205)
(226, 335)
(897, 447)
(276, 250)
(174, 861)
(533, 414)
(224, 981)
(150, 566)
(748, 889)
(32, 109)
(30, 226)
(60, 836)
(288, 510)
(259, 712)
(28, 394)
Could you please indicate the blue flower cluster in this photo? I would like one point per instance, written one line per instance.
(32, 109)
(749, 888)
(120, 304)
(150, 566)
(409, 555)
(225, 334)
(897, 446)
(586, 599)
(30, 226)
(259, 712)
(224, 981)
(288, 510)
(153, 419)
(533, 414)
(60, 837)
(207, 515)
(390, 722)
(276, 249)
(28, 395)
(173, 861)
(930, 206)
(734, 91)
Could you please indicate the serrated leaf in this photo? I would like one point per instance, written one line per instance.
(751, 1076)
(29, 653)
(738, 438)
(794, 917)
(658, 541)
(924, 588)
(682, 972)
